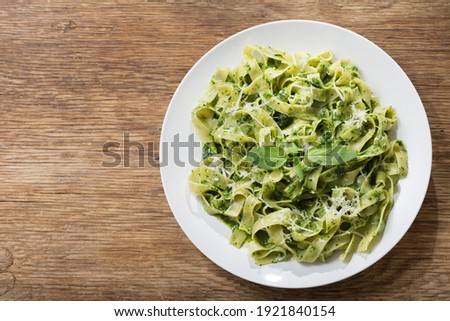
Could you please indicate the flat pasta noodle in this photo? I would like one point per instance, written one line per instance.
(257, 124)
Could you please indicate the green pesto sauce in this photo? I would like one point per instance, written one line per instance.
(232, 224)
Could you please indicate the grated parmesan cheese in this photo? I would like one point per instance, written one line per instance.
(358, 117)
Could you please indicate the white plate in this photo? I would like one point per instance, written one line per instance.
(386, 79)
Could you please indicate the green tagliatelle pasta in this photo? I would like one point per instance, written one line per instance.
(297, 158)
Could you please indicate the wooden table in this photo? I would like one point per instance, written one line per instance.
(73, 77)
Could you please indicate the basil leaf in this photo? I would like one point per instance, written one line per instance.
(329, 155)
(290, 148)
(267, 157)
(298, 168)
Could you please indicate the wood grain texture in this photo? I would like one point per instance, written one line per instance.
(73, 77)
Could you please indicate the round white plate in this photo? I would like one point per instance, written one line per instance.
(386, 79)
